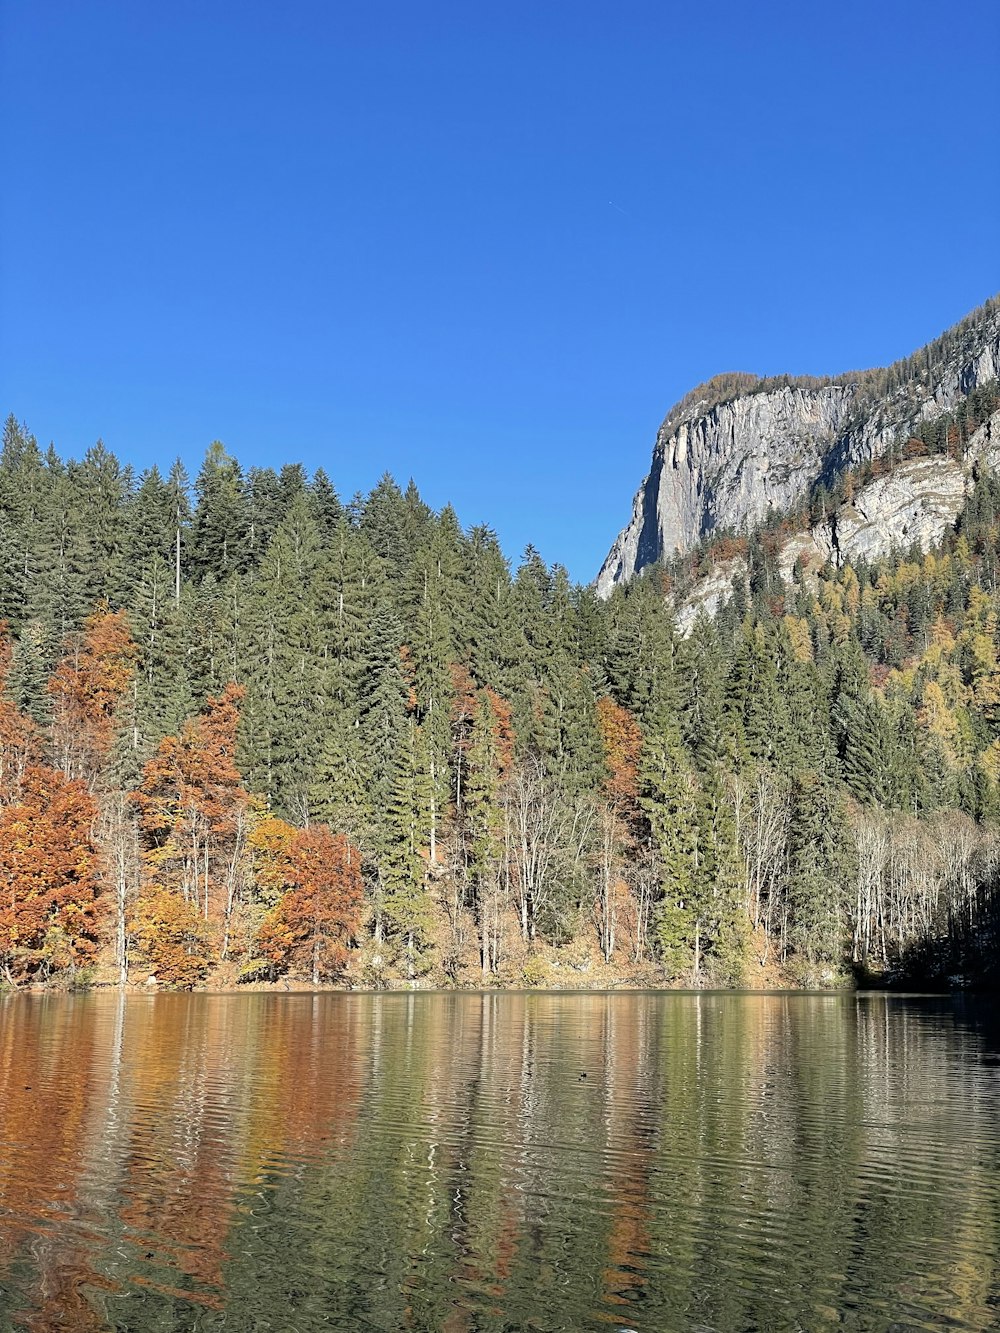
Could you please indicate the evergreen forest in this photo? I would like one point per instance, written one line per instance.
(251, 732)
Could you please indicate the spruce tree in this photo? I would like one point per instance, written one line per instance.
(284, 681)
(220, 527)
(668, 800)
(482, 824)
(403, 824)
(819, 872)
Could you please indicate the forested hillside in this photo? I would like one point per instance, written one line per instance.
(250, 731)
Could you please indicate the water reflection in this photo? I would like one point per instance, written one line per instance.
(495, 1162)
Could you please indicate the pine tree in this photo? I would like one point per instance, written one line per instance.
(178, 488)
(57, 594)
(668, 799)
(150, 527)
(350, 593)
(383, 523)
(23, 490)
(405, 820)
(166, 698)
(383, 698)
(757, 711)
(340, 794)
(819, 871)
(220, 528)
(701, 667)
(102, 489)
(327, 511)
(642, 649)
(429, 598)
(720, 920)
(872, 762)
(489, 755)
(488, 620)
(284, 682)
(264, 511)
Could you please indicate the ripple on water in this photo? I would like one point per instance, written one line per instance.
(494, 1162)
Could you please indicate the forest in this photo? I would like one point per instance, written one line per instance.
(251, 732)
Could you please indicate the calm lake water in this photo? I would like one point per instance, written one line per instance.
(499, 1162)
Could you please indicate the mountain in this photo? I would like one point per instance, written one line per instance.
(740, 447)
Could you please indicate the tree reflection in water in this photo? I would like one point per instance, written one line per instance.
(440, 1162)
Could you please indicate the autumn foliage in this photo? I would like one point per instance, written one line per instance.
(191, 804)
(503, 730)
(622, 738)
(86, 689)
(173, 938)
(269, 842)
(311, 926)
(49, 916)
(49, 904)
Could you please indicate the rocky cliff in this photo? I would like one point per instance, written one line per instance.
(740, 446)
(914, 505)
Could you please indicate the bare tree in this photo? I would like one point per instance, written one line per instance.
(119, 837)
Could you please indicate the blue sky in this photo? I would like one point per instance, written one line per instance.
(484, 245)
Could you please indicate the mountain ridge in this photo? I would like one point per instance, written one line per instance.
(739, 446)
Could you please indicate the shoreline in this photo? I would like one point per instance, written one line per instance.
(304, 989)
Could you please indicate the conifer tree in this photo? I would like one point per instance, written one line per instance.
(721, 926)
(23, 491)
(327, 511)
(383, 523)
(178, 488)
(102, 490)
(819, 871)
(430, 597)
(340, 795)
(405, 823)
(488, 759)
(702, 668)
(668, 799)
(284, 681)
(220, 526)
(383, 695)
(489, 623)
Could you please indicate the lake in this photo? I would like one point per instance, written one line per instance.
(477, 1163)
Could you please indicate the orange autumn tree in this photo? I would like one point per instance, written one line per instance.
(19, 741)
(49, 889)
(618, 821)
(86, 689)
(312, 925)
(192, 818)
(621, 736)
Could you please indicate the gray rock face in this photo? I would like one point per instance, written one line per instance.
(984, 447)
(727, 465)
(710, 593)
(918, 502)
(725, 470)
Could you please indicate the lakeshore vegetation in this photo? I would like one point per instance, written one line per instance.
(250, 731)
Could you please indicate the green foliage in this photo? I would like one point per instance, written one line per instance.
(406, 688)
(821, 869)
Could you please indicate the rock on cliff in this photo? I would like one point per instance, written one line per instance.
(739, 447)
(915, 504)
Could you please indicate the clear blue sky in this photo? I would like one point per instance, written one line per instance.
(485, 245)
